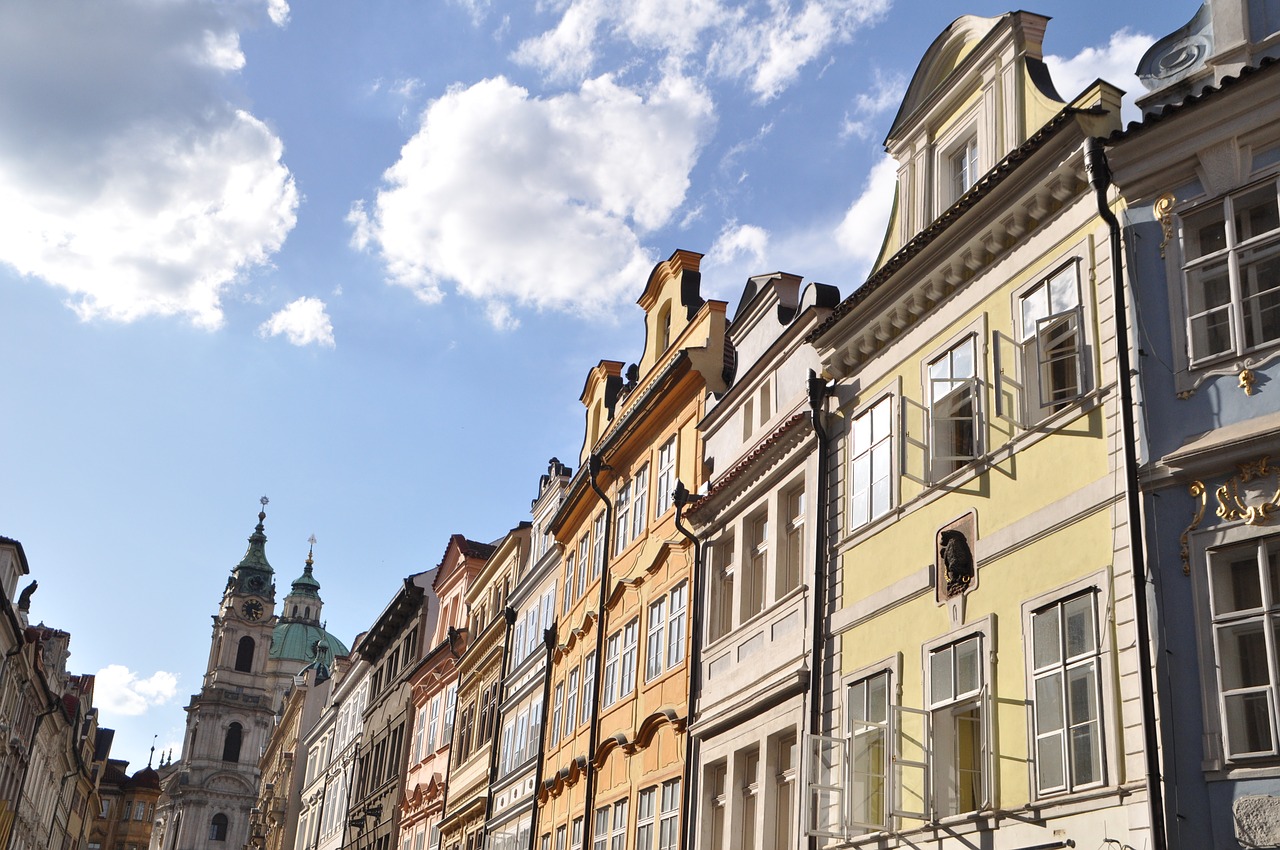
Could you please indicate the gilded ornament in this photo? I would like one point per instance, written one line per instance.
(1198, 491)
(1163, 209)
(1247, 379)
(1232, 507)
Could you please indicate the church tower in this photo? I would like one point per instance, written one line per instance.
(253, 657)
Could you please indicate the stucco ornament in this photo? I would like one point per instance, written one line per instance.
(1247, 379)
(1163, 208)
(1200, 493)
(1231, 506)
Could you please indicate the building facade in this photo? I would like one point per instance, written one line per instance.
(760, 525)
(991, 676)
(1201, 177)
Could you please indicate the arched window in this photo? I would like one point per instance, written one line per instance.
(295, 611)
(306, 612)
(244, 655)
(664, 328)
(218, 827)
(231, 746)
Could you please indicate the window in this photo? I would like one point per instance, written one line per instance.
(868, 705)
(571, 703)
(627, 672)
(419, 734)
(716, 800)
(646, 805)
(218, 827)
(1231, 254)
(557, 713)
(1053, 342)
(640, 501)
(749, 764)
(790, 560)
(231, 743)
(600, 835)
(244, 655)
(784, 793)
(433, 725)
(752, 601)
(1243, 583)
(560, 838)
(568, 583)
(953, 408)
(588, 685)
(871, 491)
(584, 557)
(622, 514)
(666, 476)
(721, 596)
(576, 835)
(675, 624)
(654, 648)
(598, 543)
(619, 838)
(1068, 730)
(964, 167)
(956, 699)
(450, 711)
(612, 648)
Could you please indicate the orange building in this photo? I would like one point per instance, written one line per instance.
(615, 740)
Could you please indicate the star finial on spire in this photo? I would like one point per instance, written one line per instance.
(312, 544)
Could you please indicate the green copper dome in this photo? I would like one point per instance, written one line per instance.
(305, 643)
(306, 584)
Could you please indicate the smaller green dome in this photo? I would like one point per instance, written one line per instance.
(305, 642)
(306, 584)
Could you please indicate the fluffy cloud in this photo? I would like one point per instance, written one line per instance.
(119, 690)
(861, 232)
(737, 243)
(128, 178)
(542, 202)
(885, 94)
(302, 322)
(1114, 62)
(764, 44)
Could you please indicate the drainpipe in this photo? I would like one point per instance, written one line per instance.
(508, 614)
(1099, 174)
(818, 391)
(681, 497)
(549, 639)
(594, 464)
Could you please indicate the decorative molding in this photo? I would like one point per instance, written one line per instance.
(1235, 368)
(1232, 507)
(1247, 380)
(1197, 491)
(1163, 208)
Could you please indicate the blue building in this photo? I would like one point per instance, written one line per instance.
(1200, 179)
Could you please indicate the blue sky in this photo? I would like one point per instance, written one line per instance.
(358, 256)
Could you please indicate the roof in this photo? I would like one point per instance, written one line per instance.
(740, 468)
(297, 641)
(1171, 109)
(980, 190)
(22, 555)
(306, 584)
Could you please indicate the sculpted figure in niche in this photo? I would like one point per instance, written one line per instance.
(957, 560)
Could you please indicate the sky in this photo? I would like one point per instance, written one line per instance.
(359, 256)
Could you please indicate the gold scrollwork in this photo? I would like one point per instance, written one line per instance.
(1246, 381)
(1198, 491)
(1232, 507)
(1163, 208)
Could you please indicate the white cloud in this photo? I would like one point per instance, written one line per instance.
(885, 94)
(119, 690)
(278, 10)
(764, 44)
(861, 233)
(1115, 62)
(127, 177)
(738, 243)
(539, 202)
(302, 322)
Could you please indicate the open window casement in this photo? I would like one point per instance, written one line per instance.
(912, 766)
(1058, 361)
(1009, 359)
(914, 457)
(953, 425)
(827, 764)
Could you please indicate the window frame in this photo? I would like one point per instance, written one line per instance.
(975, 334)
(668, 458)
(943, 769)
(867, 409)
(1231, 252)
(1032, 407)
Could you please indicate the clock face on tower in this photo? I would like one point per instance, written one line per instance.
(252, 609)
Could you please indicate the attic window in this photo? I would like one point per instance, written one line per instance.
(963, 162)
(664, 327)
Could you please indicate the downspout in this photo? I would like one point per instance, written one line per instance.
(594, 464)
(680, 497)
(818, 391)
(1099, 174)
(509, 615)
(549, 639)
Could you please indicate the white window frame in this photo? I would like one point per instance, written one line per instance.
(944, 792)
(883, 404)
(646, 817)
(655, 649)
(588, 686)
(640, 501)
(571, 703)
(557, 712)
(940, 466)
(630, 649)
(722, 574)
(666, 476)
(669, 815)
(598, 544)
(1231, 254)
(676, 619)
(584, 564)
(1036, 352)
(1058, 670)
(612, 650)
(755, 571)
(622, 517)
(569, 560)
(789, 566)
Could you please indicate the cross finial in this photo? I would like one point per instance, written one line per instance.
(264, 501)
(312, 541)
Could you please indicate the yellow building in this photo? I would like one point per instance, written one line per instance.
(615, 739)
(987, 682)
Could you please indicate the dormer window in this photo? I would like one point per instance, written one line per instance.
(963, 167)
